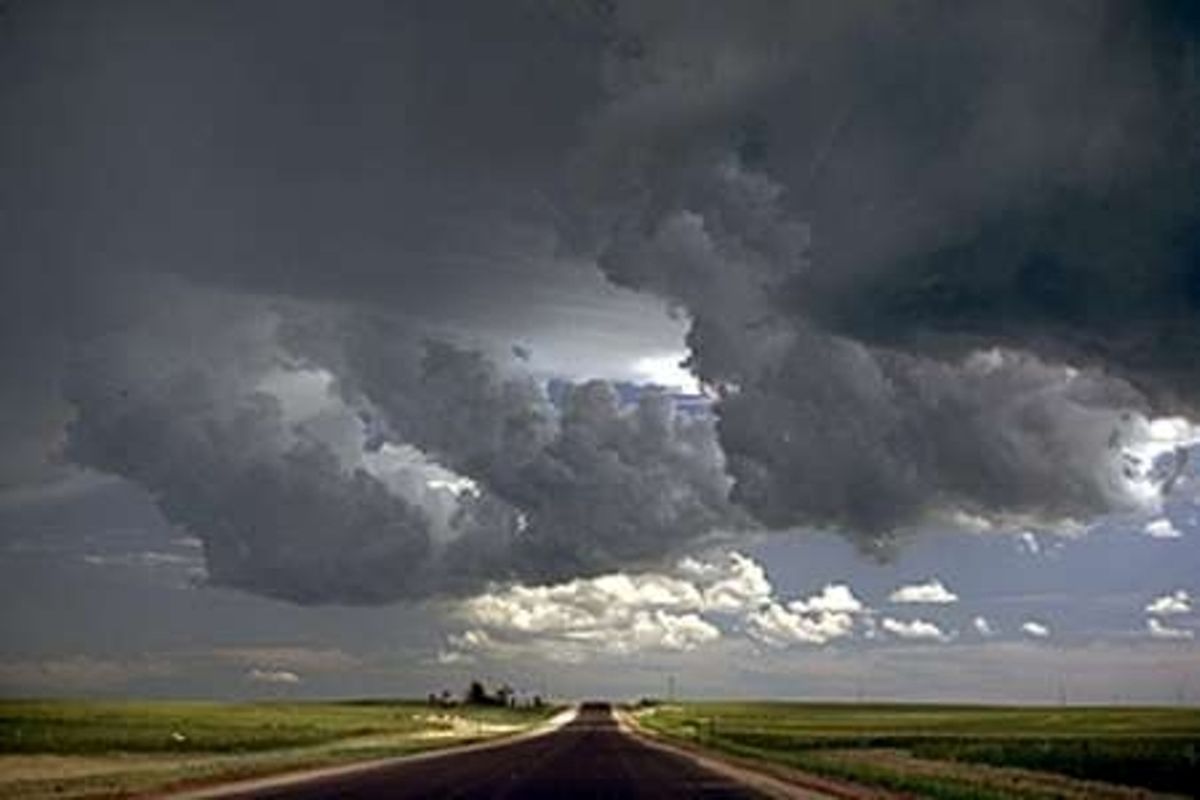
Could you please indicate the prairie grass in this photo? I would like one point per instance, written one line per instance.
(69, 748)
(958, 751)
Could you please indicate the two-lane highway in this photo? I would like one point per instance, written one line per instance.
(590, 757)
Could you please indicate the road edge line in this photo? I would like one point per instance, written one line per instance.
(287, 778)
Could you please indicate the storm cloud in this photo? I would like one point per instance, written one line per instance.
(935, 258)
(420, 470)
(270, 263)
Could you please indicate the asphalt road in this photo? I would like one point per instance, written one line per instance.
(589, 757)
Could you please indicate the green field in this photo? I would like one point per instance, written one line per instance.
(956, 751)
(82, 748)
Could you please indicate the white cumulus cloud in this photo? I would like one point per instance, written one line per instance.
(1177, 602)
(668, 631)
(742, 587)
(915, 630)
(836, 597)
(983, 627)
(581, 603)
(778, 626)
(1029, 543)
(617, 613)
(1035, 629)
(1161, 529)
(932, 592)
(277, 676)
(1158, 630)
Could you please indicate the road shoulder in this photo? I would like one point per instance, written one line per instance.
(773, 780)
(283, 779)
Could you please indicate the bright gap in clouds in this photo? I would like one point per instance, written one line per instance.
(666, 370)
(1156, 456)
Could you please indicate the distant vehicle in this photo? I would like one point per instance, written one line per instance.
(595, 705)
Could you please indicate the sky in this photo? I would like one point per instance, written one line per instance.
(796, 350)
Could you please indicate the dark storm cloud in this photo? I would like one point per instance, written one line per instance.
(1018, 173)
(314, 511)
(819, 428)
(175, 408)
(968, 176)
(387, 160)
(855, 206)
(288, 148)
(590, 485)
(1040, 191)
(389, 154)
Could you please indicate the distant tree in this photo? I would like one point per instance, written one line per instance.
(477, 695)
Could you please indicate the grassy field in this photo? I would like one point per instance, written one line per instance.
(84, 749)
(957, 751)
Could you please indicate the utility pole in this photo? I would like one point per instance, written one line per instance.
(670, 688)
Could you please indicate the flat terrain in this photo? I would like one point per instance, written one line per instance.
(71, 749)
(67, 749)
(957, 751)
(588, 758)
